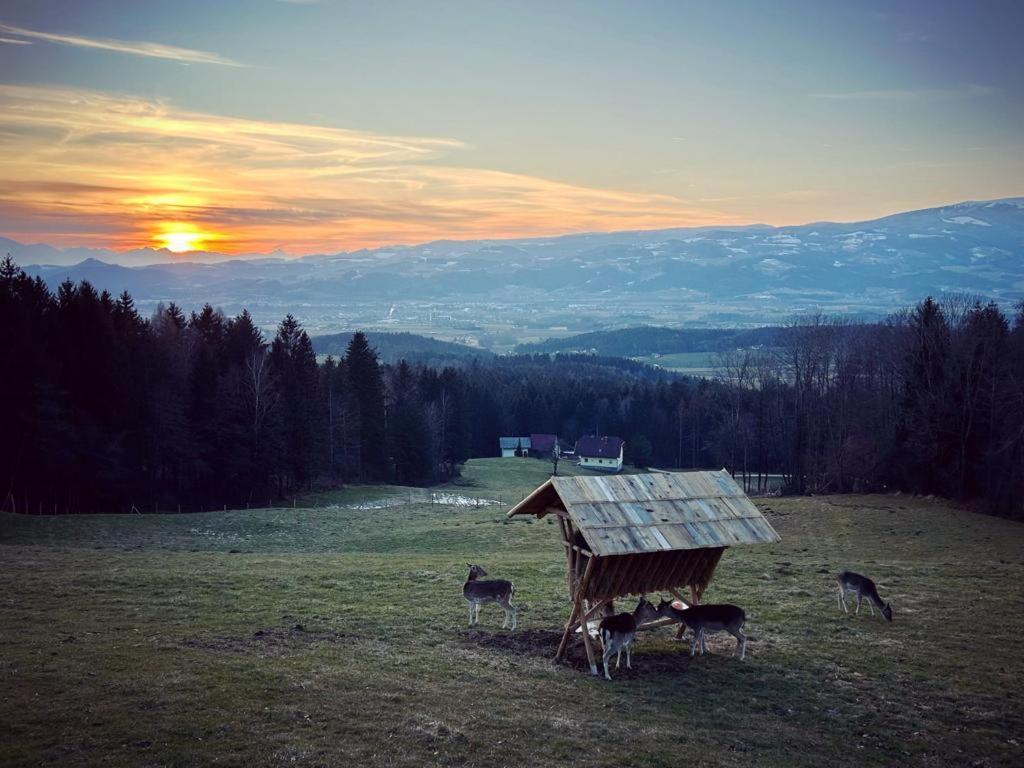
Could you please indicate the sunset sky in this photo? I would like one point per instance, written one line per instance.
(313, 127)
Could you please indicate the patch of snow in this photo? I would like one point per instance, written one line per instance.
(419, 497)
(773, 266)
(457, 500)
(967, 220)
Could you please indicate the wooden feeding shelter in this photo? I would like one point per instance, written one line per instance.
(638, 534)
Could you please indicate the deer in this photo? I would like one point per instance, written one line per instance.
(491, 591)
(708, 618)
(863, 587)
(617, 633)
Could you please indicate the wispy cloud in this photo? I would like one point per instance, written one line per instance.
(131, 47)
(89, 167)
(910, 94)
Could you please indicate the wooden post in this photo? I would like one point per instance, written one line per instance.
(588, 647)
(568, 631)
(569, 556)
(578, 611)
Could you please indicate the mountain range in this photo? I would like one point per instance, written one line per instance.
(704, 275)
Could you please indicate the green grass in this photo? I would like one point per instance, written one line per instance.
(331, 635)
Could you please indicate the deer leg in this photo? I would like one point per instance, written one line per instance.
(618, 657)
(842, 600)
(471, 616)
(506, 607)
(703, 642)
(741, 643)
(857, 612)
(629, 656)
(871, 605)
(514, 616)
(608, 651)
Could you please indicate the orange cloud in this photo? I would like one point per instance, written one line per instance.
(86, 167)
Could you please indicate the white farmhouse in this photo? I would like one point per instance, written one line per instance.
(602, 453)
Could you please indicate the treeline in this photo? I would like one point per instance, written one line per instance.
(930, 401)
(104, 410)
(393, 347)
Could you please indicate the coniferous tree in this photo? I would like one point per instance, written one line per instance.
(367, 389)
(408, 429)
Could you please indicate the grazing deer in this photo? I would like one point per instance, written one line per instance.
(709, 618)
(863, 587)
(618, 632)
(492, 591)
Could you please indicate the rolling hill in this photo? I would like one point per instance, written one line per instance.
(716, 276)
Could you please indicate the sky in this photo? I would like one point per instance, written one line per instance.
(316, 127)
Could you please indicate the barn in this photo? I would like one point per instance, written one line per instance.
(601, 453)
(542, 446)
(641, 534)
(509, 446)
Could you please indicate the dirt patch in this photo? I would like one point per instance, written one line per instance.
(536, 644)
(520, 642)
(270, 642)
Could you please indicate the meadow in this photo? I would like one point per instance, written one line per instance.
(335, 633)
(689, 363)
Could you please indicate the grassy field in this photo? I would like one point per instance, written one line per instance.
(689, 363)
(336, 634)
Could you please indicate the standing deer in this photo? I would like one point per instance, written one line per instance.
(863, 587)
(492, 591)
(709, 618)
(618, 632)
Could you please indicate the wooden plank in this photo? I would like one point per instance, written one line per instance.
(611, 566)
(577, 610)
(672, 561)
(620, 586)
(679, 596)
(569, 626)
(569, 563)
(586, 635)
(655, 624)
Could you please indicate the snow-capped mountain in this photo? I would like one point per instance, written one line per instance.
(863, 267)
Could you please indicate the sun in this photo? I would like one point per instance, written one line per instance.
(181, 238)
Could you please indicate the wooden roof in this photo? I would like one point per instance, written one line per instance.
(633, 514)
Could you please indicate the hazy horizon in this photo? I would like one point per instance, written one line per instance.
(183, 257)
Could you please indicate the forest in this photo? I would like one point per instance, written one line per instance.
(108, 411)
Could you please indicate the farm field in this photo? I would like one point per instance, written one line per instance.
(335, 633)
(689, 363)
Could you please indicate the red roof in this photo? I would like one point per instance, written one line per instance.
(595, 447)
(543, 443)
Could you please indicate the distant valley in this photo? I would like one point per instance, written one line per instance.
(496, 294)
